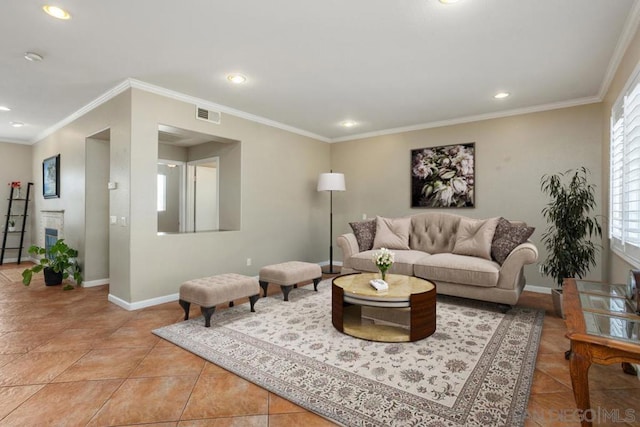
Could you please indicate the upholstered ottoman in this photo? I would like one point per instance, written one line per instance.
(288, 275)
(208, 292)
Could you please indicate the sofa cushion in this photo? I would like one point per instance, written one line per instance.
(507, 237)
(365, 232)
(475, 236)
(434, 232)
(403, 264)
(392, 233)
(466, 270)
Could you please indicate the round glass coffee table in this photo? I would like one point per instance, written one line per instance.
(404, 312)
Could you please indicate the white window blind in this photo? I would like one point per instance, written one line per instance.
(616, 168)
(624, 194)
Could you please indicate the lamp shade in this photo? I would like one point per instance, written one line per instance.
(331, 182)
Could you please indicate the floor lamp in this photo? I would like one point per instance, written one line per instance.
(331, 182)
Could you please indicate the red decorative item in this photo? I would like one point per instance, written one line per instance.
(15, 184)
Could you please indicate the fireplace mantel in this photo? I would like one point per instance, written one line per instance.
(53, 219)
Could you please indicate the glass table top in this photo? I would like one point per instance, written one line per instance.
(608, 310)
(598, 288)
(617, 327)
(602, 303)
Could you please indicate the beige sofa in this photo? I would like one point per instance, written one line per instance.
(460, 254)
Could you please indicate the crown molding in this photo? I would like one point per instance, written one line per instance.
(16, 141)
(626, 36)
(469, 119)
(148, 87)
(111, 93)
(168, 93)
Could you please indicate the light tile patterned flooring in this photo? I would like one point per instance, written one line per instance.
(72, 358)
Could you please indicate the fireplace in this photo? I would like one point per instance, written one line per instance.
(50, 238)
(51, 228)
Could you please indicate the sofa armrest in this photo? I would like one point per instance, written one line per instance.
(349, 245)
(523, 254)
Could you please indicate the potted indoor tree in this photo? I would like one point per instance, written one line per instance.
(58, 263)
(572, 224)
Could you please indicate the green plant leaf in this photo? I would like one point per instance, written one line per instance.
(572, 225)
(26, 277)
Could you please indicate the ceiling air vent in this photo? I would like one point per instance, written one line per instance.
(208, 115)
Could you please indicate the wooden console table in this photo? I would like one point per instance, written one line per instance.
(603, 329)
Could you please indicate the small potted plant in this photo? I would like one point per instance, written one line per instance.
(12, 224)
(571, 226)
(58, 264)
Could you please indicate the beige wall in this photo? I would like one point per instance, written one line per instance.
(617, 267)
(283, 217)
(512, 154)
(96, 254)
(15, 165)
(230, 184)
(70, 143)
(278, 196)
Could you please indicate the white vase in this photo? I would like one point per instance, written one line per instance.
(12, 228)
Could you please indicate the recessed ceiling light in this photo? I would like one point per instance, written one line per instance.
(56, 12)
(33, 57)
(501, 95)
(448, 1)
(16, 124)
(3, 108)
(236, 78)
(348, 124)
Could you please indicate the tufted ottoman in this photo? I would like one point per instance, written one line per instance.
(208, 292)
(288, 275)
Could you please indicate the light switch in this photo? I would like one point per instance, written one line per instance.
(112, 185)
(113, 219)
(123, 221)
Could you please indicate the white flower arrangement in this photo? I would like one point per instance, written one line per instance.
(383, 259)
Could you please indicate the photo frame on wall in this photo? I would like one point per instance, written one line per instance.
(444, 176)
(51, 177)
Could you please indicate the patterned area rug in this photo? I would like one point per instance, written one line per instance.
(476, 370)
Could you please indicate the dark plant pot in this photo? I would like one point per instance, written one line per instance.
(51, 278)
(556, 296)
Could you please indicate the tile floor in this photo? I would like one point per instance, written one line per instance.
(72, 358)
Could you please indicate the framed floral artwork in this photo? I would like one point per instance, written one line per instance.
(443, 177)
(51, 177)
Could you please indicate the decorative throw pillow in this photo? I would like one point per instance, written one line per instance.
(507, 237)
(474, 237)
(392, 233)
(365, 232)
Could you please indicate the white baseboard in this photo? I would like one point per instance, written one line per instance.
(23, 259)
(537, 289)
(92, 283)
(130, 306)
